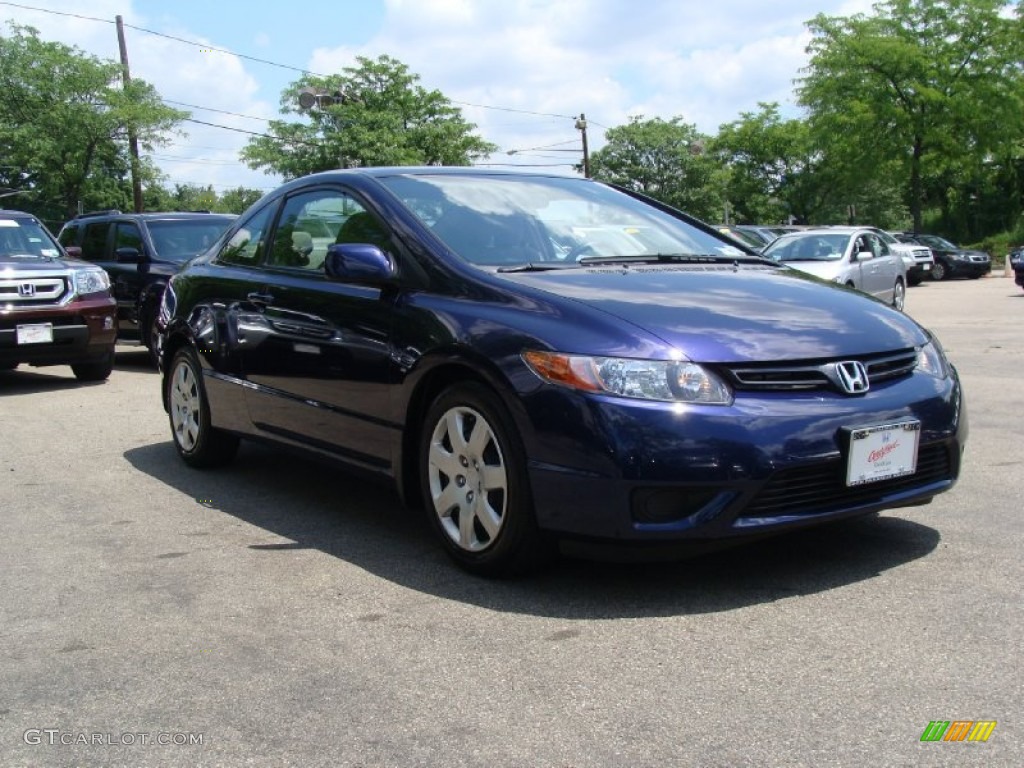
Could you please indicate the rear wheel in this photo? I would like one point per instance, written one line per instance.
(151, 333)
(94, 370)
(939, 271)
(198, 443)
(474, 484)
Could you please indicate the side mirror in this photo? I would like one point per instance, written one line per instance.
(129, 255)
(360, 263)
(73, 251)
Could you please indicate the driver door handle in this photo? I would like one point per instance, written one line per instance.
(260, 299)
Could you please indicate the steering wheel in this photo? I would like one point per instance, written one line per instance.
(579, 250)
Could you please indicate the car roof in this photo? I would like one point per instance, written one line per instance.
(154, 215)
(837, 230)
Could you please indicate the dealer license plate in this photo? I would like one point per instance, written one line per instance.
(882, 452)
(37, 333)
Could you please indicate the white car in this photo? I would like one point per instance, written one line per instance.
(918, 258)
(853, 256)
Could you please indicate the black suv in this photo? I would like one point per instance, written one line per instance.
(53, 310)
(140, 251)
(950, 260)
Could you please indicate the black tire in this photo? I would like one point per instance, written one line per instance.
(939, 271)
(472, 470)
(197, 442)
(913, 280)
(94, 370)
(8, 366)
(151, 332)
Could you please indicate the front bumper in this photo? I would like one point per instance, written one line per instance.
(660, 473)
(82, 331)
(964, 268)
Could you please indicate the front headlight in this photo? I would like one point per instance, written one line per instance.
(88, 281)
(932, 360)
(665, 380)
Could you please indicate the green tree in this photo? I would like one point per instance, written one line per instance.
(237, 200)
(916, 87)
(193, 197)
(774, 170)
(667, 160)
(64, 118)
(378, 115)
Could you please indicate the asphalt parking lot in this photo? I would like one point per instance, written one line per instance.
(278, 612)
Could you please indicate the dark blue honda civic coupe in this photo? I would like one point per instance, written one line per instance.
(533, 358)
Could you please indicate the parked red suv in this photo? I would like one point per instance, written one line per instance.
(53, 310)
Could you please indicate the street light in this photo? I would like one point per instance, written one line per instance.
(323, 97)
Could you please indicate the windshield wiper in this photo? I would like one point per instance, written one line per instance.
(667, 258)
(533, 266)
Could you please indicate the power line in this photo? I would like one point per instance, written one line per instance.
(268, 62)
(212, 109)
(56, 13)
(253, 133)
(198, 160)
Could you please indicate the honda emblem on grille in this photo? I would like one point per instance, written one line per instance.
(853, 377)
(26, 290)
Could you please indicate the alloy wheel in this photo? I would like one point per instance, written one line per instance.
(186, 402)
(468, 479)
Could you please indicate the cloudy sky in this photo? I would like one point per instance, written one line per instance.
(520, 69)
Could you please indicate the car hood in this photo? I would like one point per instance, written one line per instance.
(721, 314)
(27, 262)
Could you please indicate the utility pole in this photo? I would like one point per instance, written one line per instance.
(133, 140)
(581, 126)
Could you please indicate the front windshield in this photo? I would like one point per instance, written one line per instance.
(24, 237)
(808, 247)
(934, 241)
(180, 240)
(506, 220)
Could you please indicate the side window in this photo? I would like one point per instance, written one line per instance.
(94, 241)
(68, 236)
(246, 246)
(874, 245)
(127, 235)
(313, 221)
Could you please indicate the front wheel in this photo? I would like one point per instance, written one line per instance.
(198, 443)
(474, 484)
(94, 370)
(899, 295)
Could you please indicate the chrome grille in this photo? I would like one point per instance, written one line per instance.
(816, 374)
(31, 291)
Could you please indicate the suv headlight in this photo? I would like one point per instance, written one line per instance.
(664, 380)
(86, 281)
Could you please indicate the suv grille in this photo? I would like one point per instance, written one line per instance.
(818, 375)
(31, 291)
(822, 487)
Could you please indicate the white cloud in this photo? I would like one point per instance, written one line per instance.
(181, 73)
(541, 61)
